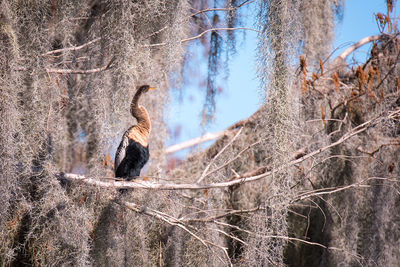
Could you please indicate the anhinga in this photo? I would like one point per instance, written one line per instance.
(133, 152)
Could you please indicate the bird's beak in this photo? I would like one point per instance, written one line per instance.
(152, 88)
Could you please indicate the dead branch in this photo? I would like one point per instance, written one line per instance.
(173, 221)
(212, 9)
(331, 190)
(73, 48)
(373, 152)
(195, 141)
(354, 47)
(226, 214)
(79, 71)
(181, 224)
(218, 29)
(247, 2)
(204, 32)
(203, 175)
(287, 238)
(211, 136)
(233, 159)
(144, 184)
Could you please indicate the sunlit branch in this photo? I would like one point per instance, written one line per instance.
(145, 184)
(210, 136)
(357, 45)
(195, 141)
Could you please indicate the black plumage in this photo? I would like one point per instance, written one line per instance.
(133, 152)
(136, 156)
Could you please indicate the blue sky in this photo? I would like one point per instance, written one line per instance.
(241, 97)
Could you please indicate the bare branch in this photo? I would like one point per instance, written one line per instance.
(216, 217)
(233, 159)
(218, 29)
(195, 141)
(210, 136)
(287, 238)
(213, 9)
(331, 190)
(204, 32)
(373, 152)
(357, 45)
(137, 183)
(247, 2)
(144, 184)
(172, 221)
(78, 71)
(73, 48)
(203, 175)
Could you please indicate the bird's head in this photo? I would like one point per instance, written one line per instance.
(144, 89)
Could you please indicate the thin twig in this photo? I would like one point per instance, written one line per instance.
(213, 218)
(73, 48)
(204, 32)
(79, 71)
(218, 29)
(373, 152)
(233, 159)
(172, 221)
(287, 238)
(203, 175)
(331, 190)
(247, 2)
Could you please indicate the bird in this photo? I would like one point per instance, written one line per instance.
(133, 151)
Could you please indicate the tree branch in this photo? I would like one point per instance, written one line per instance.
(211, 136)
(79, 71)
(144, 184)
(203, 175)
(247, 2)
(331, 190)
(173, 221)
(217, 29)
(73, 48)
(195, 141)
(204, 32)
(354, 47)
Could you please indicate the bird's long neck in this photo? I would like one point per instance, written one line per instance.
(141, 115)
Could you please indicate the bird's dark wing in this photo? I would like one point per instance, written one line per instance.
(130, 157)
(135, 158)
(121, 151)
